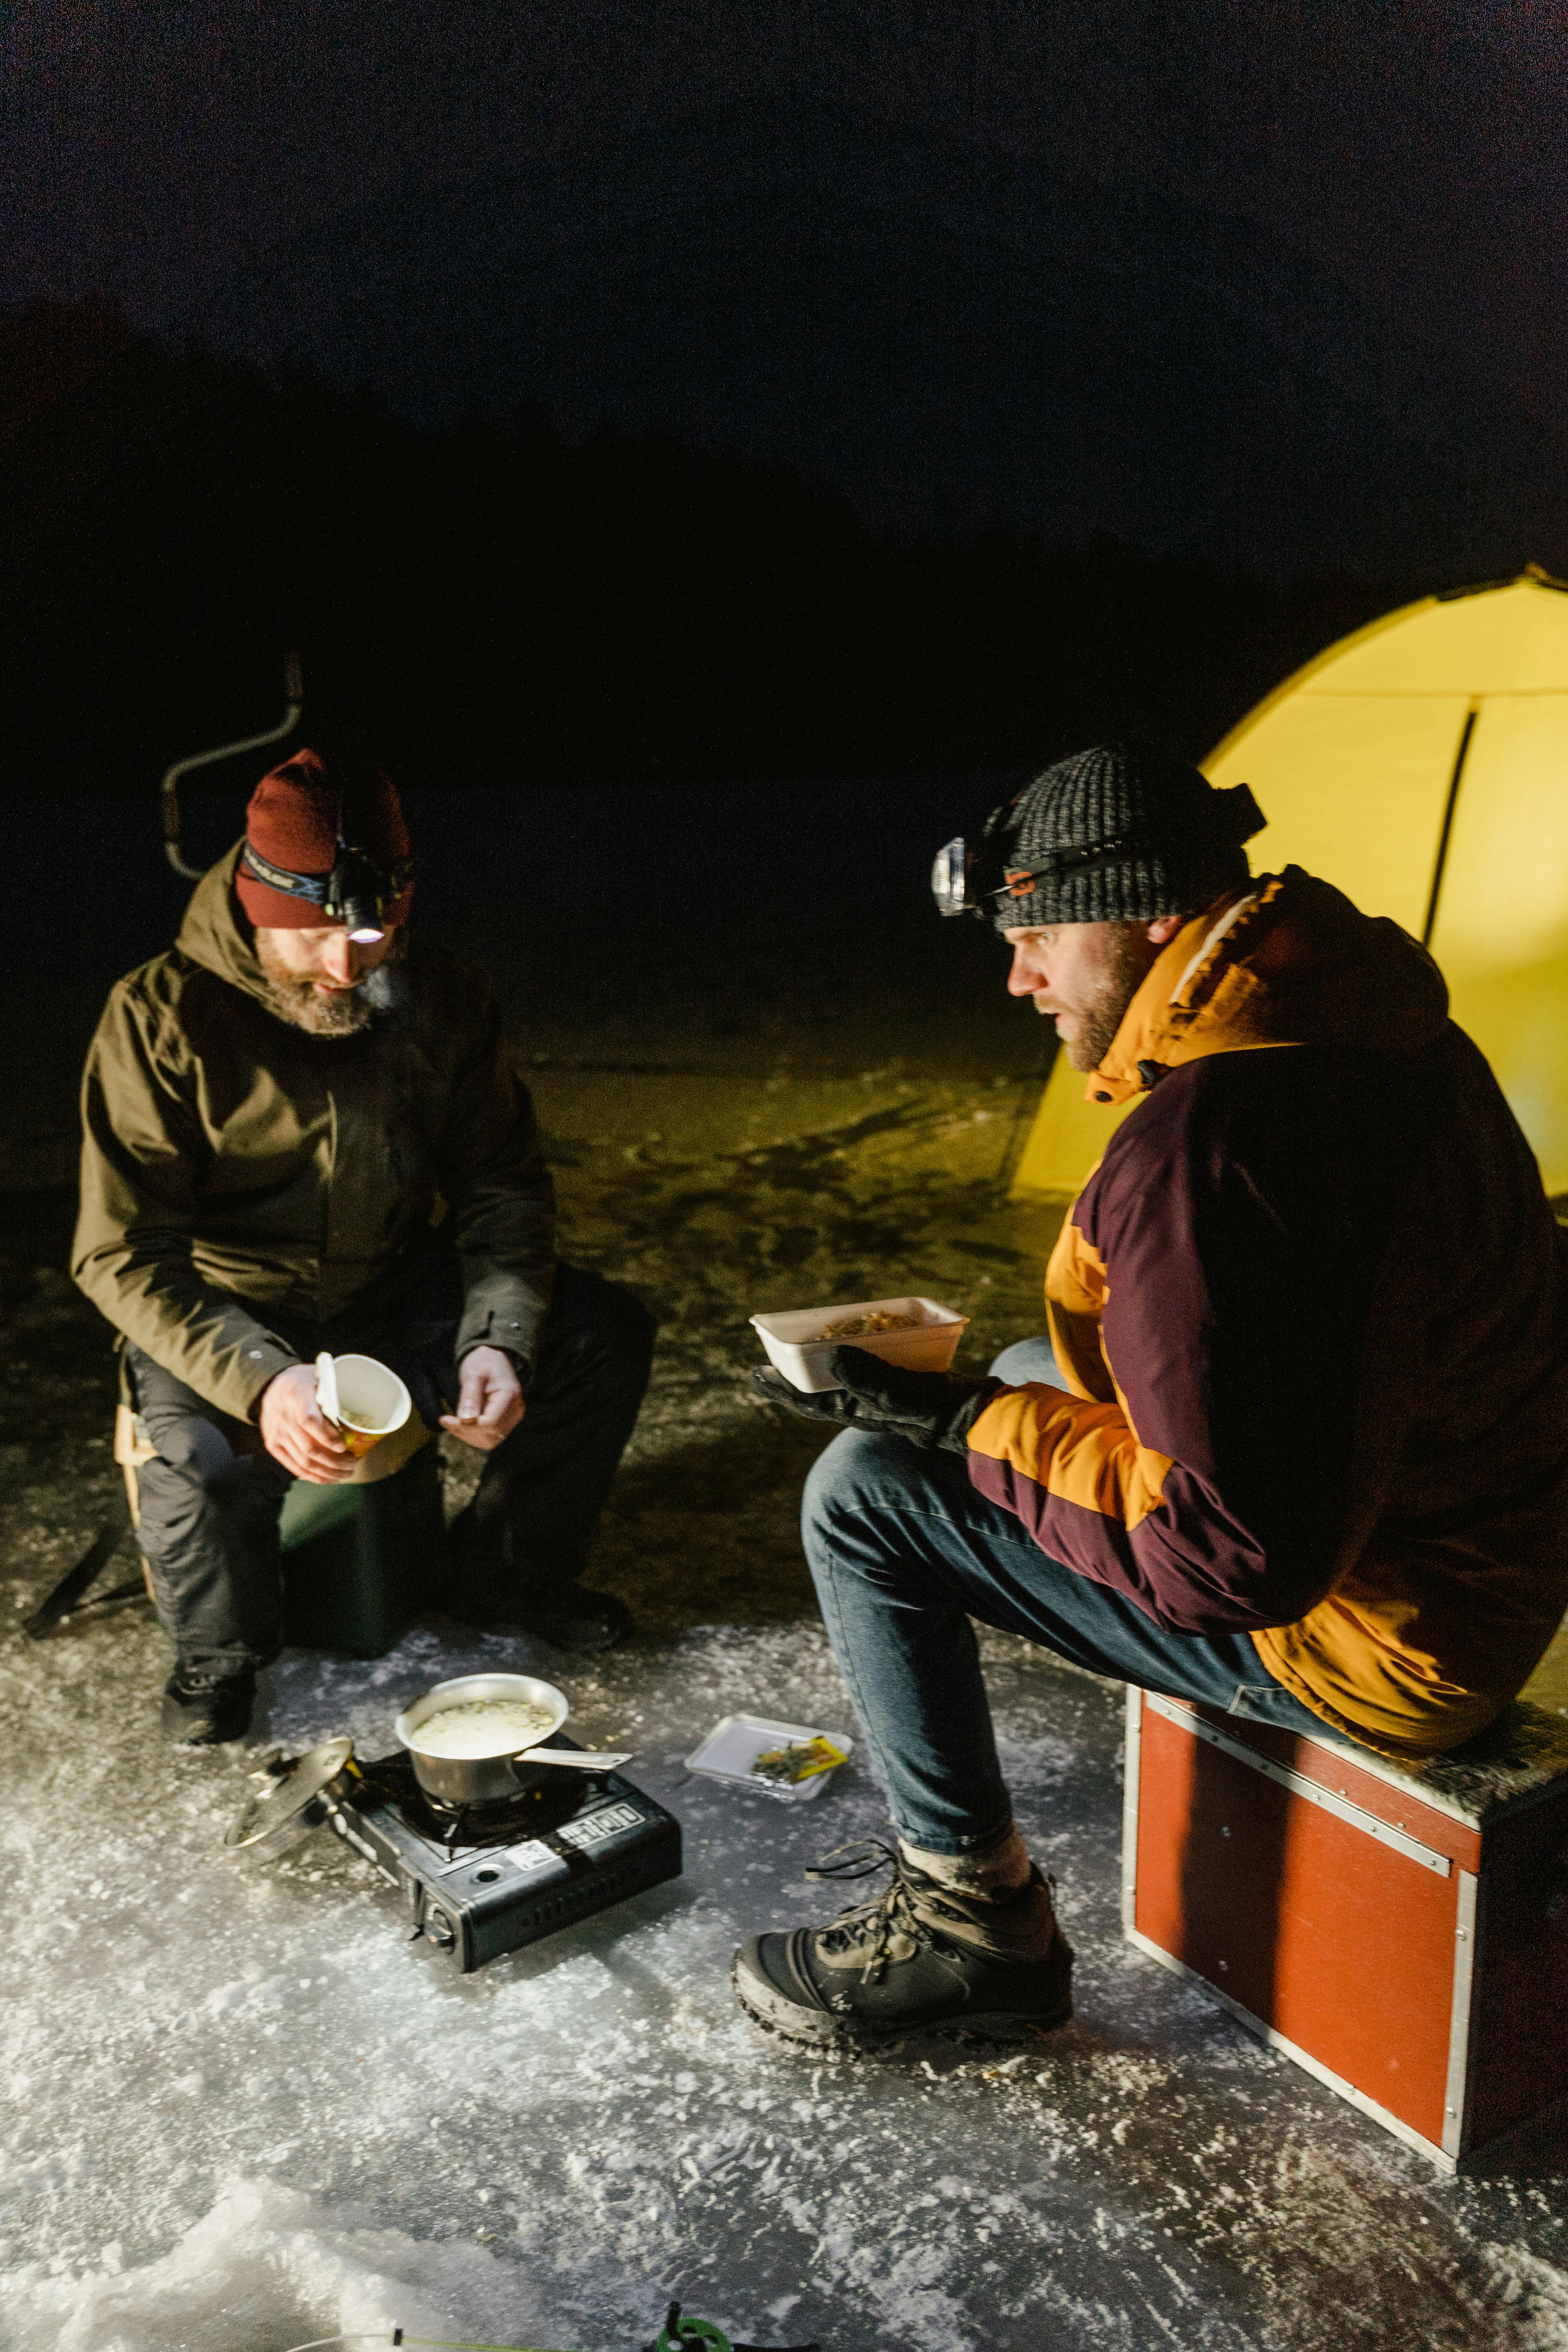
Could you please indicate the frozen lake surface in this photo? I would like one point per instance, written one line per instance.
(245, 2112)
(242, 2112)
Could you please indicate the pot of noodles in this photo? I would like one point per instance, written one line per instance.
(479, 1738)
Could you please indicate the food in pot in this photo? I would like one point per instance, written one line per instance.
(800, 1762)
(483, 1726)
(861, 1327)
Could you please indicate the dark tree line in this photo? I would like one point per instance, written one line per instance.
(495, 604)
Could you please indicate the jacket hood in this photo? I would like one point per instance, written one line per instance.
(1292, 962)
(215, 935)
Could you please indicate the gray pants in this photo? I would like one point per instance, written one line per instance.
(211, 1500)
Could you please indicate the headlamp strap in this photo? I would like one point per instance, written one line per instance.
(313, 886)
(1233, 817)
(1020, 880)
(318, 888)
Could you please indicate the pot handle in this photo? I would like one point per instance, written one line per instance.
(607, 1760)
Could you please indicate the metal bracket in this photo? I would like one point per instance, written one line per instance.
(1299, 1785)
(294, 696)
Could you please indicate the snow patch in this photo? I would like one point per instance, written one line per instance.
(265, 2269)
(1529, 2298)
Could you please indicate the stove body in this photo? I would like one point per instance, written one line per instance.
(479, 1883)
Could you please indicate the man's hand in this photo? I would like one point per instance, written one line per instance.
(489, 1400)
(930, 1409)
(295, 1432)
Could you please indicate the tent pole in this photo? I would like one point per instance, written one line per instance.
(1460, 756)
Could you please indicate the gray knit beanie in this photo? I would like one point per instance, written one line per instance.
(1120, 833)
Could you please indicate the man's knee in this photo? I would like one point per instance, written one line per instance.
(201, 1458)
(863, 1482)
(200, 1450)
(196, 1510)
(603, 1326)
(192, 1482)
(1026, 1362)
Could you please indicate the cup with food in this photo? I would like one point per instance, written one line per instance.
(919, 1333)
(364, 1401)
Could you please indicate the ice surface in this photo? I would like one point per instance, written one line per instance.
(244, 2112)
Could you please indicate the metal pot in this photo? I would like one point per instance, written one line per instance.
(491, 1780)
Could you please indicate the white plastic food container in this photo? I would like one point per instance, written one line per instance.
(734, 1744)
(794, 1343)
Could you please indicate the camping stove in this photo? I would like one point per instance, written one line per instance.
(475, 1881)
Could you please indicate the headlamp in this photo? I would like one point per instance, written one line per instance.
(359, 892)
(969, 877)
(951, 885)
(980, 877)
(357, 896)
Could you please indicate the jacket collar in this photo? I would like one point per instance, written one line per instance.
(1289, 961)
(216, 933)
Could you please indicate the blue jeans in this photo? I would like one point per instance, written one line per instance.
(905, 1553)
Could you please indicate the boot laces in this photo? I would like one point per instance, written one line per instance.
(874, 1921)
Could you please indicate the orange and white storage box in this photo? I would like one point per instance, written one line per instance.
(1403, 1934)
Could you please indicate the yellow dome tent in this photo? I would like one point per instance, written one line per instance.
(1422, 766)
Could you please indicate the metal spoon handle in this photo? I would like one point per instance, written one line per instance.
(575, 1758)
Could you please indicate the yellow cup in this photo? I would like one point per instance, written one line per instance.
(372, 1402)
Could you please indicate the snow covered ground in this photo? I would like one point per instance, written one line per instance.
(243, 2113)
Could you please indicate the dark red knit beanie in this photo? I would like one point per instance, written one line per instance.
(292, 825)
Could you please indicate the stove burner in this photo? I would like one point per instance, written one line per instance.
(530, 1813)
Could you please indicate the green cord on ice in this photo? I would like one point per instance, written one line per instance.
(691, 2332)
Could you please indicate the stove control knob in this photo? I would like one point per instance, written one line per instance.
(440, 1930)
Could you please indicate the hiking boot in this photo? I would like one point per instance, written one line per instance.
(488, 1591)
(916, 1956)
(568, 1615)
(203, 1707)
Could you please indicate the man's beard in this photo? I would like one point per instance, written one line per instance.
(343, 1010)
(1096, 1022)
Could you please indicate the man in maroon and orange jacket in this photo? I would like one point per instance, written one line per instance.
(1297, 1444)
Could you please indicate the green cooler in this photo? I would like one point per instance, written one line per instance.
(362, 1563)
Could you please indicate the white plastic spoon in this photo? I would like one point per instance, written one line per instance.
(327, 1386)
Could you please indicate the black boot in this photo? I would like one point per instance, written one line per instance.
(917, 1956)
(202, 1707)
(487, 1591)
(568, 1615)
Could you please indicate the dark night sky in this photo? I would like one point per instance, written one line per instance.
(1280, 281)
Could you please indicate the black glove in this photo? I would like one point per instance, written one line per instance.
(930, 1409)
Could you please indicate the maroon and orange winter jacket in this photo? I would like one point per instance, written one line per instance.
(1313, 1305)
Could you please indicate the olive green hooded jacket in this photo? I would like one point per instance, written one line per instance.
(234, 1165)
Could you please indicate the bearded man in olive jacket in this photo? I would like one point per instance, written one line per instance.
(302, 1131)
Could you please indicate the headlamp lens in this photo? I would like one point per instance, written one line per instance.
(356, 894)
(949, 878)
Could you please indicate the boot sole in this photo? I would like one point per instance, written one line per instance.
(195, 1736)
(786, 2021)
(203, 1732)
